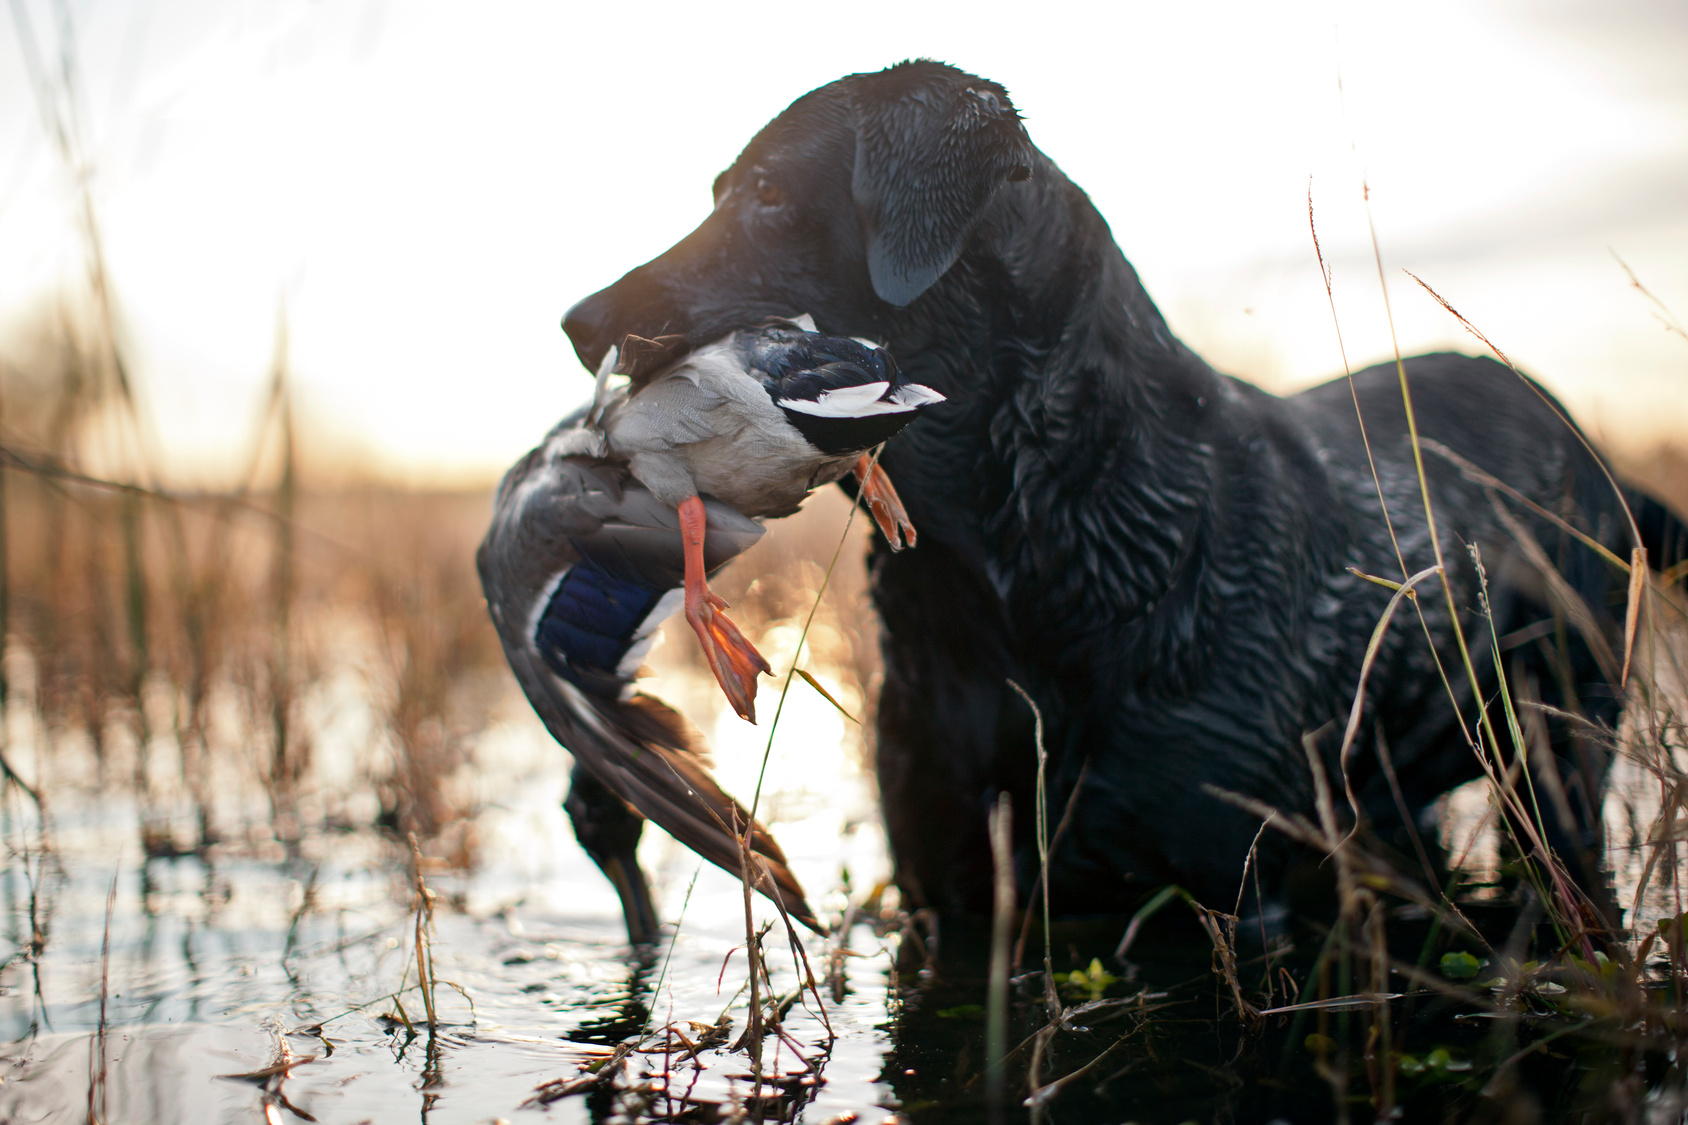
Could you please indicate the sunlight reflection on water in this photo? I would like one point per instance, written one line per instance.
(220, 962)
(204, 983)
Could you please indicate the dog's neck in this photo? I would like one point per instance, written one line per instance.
(1078, 460)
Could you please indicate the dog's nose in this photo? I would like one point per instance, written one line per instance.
(585, 324)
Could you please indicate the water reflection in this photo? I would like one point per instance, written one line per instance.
(242, 987)
(625, 1013)
(291, 968)
(226, 965)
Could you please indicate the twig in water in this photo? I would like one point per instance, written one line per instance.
(598, 1073)
(271, 1077)
(835, 975)
(1051, 1000)
(1054, 842)
(306, 902)
(1043, 1095)
(97, 1054)
(424, 936)
(1222, 932)
(752, 1037)
(1002, 917)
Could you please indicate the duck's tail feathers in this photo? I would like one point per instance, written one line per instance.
(685, 799)
(651, 757)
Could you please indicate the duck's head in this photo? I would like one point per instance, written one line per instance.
(843, 395)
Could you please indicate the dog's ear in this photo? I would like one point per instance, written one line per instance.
(930, 151)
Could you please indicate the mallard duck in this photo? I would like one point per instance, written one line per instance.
(758, 420)
(604, 530)
(581, 565)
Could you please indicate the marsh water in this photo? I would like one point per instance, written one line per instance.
(260, 982)
(250, 955)
(271, 975)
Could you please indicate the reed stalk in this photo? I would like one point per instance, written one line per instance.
(753, 1030)
(97, 1041)
(6, 768)
(284, 771)
(424, 933)
(1052, 1000)
(1001, 824)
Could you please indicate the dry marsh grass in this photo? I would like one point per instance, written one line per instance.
(181, 643)
(204, 655)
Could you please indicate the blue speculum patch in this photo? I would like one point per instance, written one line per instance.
(591, 619)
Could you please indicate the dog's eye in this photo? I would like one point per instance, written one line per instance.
(769, 193)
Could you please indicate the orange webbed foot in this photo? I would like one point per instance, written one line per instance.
(732, 658)
(882, 500)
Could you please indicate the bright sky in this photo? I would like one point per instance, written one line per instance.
(429, 186)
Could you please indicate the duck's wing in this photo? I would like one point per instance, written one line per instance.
(575, 568)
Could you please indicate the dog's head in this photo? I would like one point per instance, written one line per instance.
(847, 206)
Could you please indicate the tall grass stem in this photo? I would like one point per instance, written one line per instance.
(1002, 921)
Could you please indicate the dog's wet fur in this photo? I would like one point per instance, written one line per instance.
(1163, 556)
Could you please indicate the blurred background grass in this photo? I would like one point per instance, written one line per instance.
(299, 652)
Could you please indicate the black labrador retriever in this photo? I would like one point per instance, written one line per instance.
(1167, 559)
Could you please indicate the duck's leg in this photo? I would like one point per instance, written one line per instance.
(882, 500)
(608, 831)
(733, 659)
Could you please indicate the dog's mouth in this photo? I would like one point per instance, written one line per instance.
(649, 332)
